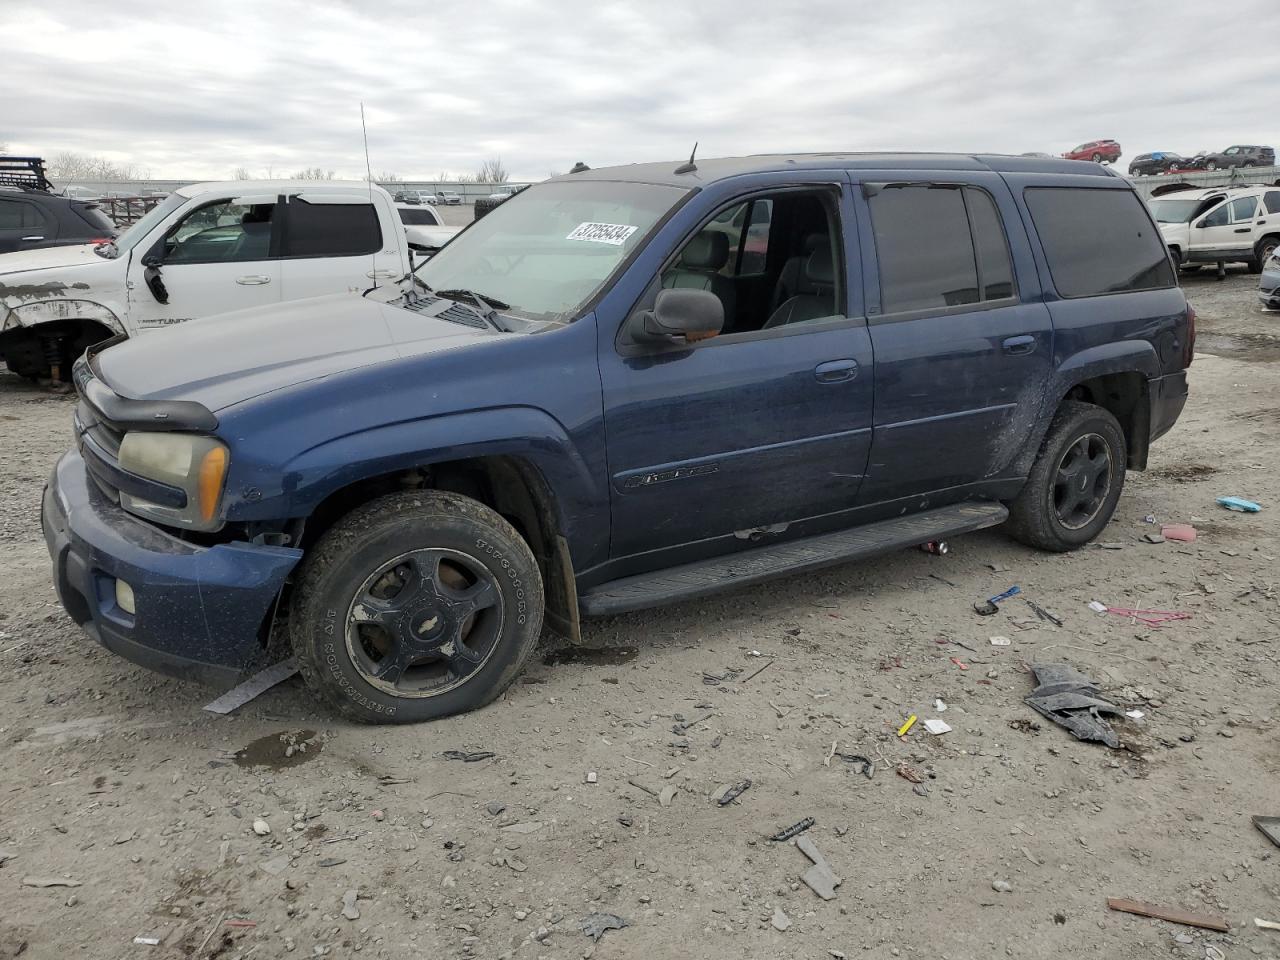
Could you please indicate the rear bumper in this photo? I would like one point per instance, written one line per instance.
(1168, 396)
(199, 611)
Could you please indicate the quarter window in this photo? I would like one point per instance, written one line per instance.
(1098, 241)
(331, 229)
(1272, 200)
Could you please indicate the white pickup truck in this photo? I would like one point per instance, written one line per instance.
(205, 249)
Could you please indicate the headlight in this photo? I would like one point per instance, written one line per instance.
(194, 464)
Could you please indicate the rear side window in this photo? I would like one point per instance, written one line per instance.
(93, 215)
(1272, 200)
(933, 243)
(331, 229)
(16, 215)
(1098, 241)
(1242, 209)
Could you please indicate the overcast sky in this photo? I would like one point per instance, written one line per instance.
(276, 84)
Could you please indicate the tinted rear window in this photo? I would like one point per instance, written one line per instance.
(1098, 241)
(93, 215)
(331, 229)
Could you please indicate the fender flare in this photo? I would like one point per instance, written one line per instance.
(1120, 356)
(32, 313)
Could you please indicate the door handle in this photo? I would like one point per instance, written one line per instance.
(253, 280)
(33, 238)
(1019, 346)
(1241, 230)
(835, 371)
(382, 274)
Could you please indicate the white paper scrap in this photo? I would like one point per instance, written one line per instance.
(937, 727)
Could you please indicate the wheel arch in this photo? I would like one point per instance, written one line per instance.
(41, 334)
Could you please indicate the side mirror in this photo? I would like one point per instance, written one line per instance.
(681, 315)
(1201, 225)
(152, 260)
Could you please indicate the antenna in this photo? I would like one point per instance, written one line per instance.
(368, 171)
(689, 167)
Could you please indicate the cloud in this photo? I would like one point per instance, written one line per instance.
(277, 83)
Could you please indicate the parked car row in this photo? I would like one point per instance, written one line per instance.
(1237, 156)
(622, 388)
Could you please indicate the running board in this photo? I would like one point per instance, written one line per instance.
(764, 563)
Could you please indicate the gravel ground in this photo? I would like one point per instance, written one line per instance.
(115, 779)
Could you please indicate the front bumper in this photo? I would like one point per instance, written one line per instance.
(200, 612)
(1269, 291)
(1168, 396)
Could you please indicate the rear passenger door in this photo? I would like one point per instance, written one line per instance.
(962, 347)
(1227, 229)
(23, 226)
(334, 243)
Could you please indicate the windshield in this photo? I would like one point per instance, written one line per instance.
(1179, 211)
(549, 249)
(130, 237)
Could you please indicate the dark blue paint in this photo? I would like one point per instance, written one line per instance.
(652, 456)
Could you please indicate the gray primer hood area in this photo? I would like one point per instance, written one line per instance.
(221, 360)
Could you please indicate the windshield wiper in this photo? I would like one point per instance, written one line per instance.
(487, 307)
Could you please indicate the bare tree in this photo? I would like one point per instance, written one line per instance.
(385, 177)
(242, 173)
(492, 171)
(314, 173)
(68, 165)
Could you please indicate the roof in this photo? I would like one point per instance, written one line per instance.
(274, 186)
(712, 170)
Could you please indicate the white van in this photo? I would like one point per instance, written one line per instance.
(1230, 225)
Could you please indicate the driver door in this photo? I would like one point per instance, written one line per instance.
(221, 256)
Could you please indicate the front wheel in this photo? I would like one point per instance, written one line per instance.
(1262, 253)
(416, 606)
(1075, 483)
(1211, 165)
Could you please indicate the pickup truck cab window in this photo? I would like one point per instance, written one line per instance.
(222, 232)
(548, 250)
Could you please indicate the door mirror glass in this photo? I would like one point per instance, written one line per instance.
(683, 315)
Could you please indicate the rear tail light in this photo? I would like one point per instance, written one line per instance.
(1189, 351)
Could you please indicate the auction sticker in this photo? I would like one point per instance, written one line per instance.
(611, 233)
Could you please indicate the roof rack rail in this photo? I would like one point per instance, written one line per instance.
(25, 173)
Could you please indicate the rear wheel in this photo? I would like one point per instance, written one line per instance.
(1076, 481)
(416, 606)
(1262, 253)
(1097, 158)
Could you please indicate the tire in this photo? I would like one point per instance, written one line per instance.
(1211, 165)
(1044, 514)
(1097, 158)
(415, 606)
(1262, 253)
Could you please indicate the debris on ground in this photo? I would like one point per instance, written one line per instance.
(595, 924)
(1183, 532)
(667, 795)
(1042, 613)
(937, 727)
(1153, 537)
(349, 908)
(1000, 641)
(780, 920)
(794, 830)
(255, 686)
(1239, 504)
(911, 722)
(990, 606)
(1270, 827)
(910, 774)
(1070, 699)
(819, 878)
(860, 764)
(1173, 915)
(147, 941)
(1002, 886)
(730, 792)
(261, 827)
(468, 757)
(1265, 924)
(1152, 618)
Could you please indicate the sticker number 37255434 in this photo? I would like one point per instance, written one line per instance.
(612, 233)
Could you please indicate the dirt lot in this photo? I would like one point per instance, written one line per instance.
(116, 780)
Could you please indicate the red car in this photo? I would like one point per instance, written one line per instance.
(1095, 150)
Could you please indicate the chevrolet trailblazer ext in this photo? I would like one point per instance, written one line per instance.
(601, 397)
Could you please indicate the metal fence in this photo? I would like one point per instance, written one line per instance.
(138, 188)
(1149, 187)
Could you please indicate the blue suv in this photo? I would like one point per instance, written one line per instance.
(622, 388)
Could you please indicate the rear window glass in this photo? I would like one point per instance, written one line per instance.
(93, 215)
(331, 229)
(420, 217)
(1098, 241)
(924, 248)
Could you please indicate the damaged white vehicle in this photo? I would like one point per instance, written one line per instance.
(206, 249)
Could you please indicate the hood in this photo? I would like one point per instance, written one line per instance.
(49, 258)
(1174, 230)
(225, 359)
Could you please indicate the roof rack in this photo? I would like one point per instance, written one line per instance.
(25, 173)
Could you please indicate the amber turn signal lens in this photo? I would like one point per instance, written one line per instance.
(213, 468)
